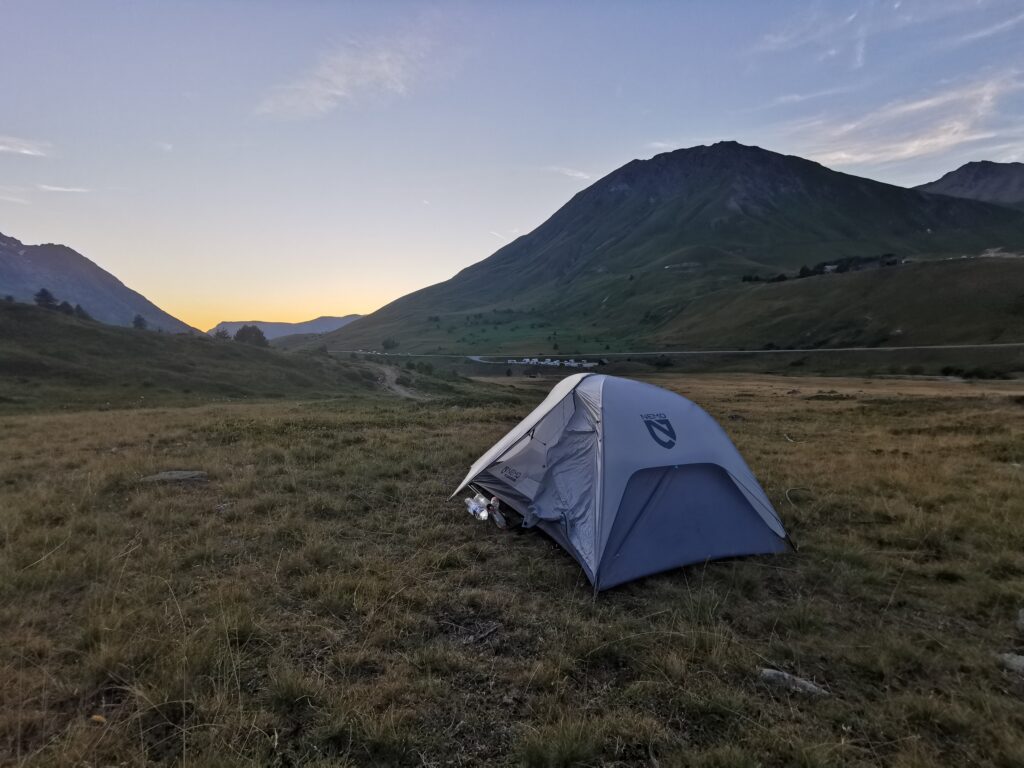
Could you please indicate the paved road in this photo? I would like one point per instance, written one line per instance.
(504, 356)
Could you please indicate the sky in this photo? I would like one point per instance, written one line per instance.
(256, 160)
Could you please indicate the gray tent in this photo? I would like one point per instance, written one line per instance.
(631, 479)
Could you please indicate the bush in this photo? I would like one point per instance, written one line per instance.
(45, 299)
(252, 335)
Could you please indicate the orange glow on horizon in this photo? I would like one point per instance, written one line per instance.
(204, 316)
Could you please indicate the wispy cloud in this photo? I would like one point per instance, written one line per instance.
(572, 173)
(907, 129)
(788, 99)
(26, 147)
(990, 31)
(809, 28)
(164, 146)
(16, 195)
(498, 235)
(349, 73)
(52, 188)
(848, 33)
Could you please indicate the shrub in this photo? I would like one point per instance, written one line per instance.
(252, 335)
(45, 299)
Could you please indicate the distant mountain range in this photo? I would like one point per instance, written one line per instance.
(693, 248)
(1001, 183)
(323, 324)
(71, 277)
(637, 253)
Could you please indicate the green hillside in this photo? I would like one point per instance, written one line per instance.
(47, 358)
(620, 261)
(971, 301)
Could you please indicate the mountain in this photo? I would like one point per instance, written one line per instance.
(1001, 183)
(322, 324)
(71, 277)
(626, 257)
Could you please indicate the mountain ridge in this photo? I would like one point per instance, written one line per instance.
(630, 252)
(72, 277)
(276, 329)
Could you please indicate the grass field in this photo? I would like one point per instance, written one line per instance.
(319, 601)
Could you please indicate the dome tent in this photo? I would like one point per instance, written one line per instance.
(631, 479)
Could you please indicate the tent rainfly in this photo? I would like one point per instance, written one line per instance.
(631, 479)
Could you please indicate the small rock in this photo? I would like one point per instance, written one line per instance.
(791, 682)
(1012, 661)
(177, 476)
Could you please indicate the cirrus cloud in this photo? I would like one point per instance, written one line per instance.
(961, 114)
(53, 188)
(351, 72)
(27, 147)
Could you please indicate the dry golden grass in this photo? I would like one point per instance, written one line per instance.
(320, 600)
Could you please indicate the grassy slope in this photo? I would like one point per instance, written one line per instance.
(976, 301)
(970, 301)
(46, 357)
(320, 602)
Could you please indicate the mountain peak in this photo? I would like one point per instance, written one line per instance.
(985, 180)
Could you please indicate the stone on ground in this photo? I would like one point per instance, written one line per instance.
(1012, 661)
(790, 682)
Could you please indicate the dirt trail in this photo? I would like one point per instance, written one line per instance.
(388, 378)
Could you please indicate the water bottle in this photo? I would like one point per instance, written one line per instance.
(495, 508)
(476, 508)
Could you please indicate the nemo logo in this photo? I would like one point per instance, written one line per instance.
(511, 474)
(660, 429)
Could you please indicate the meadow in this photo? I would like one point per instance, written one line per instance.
(319, 600)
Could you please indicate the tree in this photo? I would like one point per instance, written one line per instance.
(805, 271)
(81, 314)
(9, 299)
(66, 308)
(221, 334)
(45, 299)
(139, 322)
(252, 335)
(389, 343)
